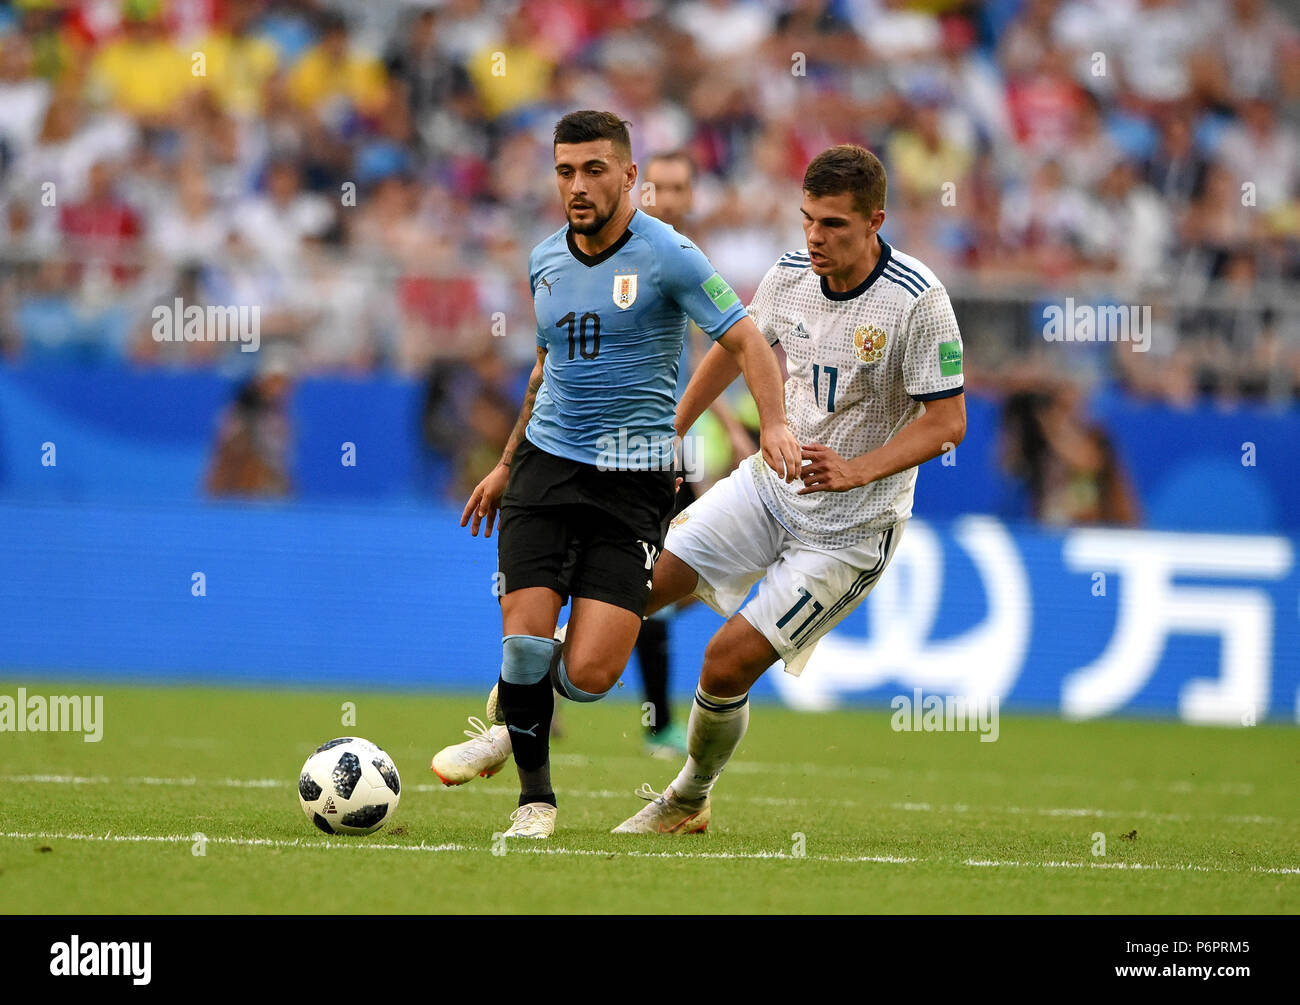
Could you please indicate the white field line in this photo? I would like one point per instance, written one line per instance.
(241, 842)
(1134, 866)
(1084, 811)
(911, 807)
(795, 801)
(745, 767)
(363, 845)
(811, 769)
(189, 781)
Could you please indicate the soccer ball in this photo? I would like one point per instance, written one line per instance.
(349, 786)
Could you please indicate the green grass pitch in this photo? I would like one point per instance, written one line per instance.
(1195, 819)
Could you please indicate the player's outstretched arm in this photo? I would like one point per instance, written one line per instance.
(941, 428)
(714, 375)
(486, 498)
(757, 362)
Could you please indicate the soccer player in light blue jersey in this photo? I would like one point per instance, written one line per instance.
(585, 485)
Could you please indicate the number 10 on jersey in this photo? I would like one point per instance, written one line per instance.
(588, 341)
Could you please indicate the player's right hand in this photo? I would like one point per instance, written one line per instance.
(486, 500)
(781, 451)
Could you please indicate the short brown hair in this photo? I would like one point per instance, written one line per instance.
(587, 125)
(848, 168)
(680, 156)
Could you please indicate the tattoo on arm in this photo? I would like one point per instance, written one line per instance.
(525, 413)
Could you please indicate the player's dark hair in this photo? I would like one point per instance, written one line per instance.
(848, 168)
(681, 156)
(588, 125)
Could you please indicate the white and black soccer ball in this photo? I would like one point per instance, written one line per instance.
(349, 786)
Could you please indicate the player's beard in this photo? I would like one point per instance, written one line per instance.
(597, 222)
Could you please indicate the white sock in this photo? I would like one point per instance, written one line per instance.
(715, 731)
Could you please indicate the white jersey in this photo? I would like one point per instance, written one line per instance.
(861, 366)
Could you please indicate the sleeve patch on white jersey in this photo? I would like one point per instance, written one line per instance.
(949, 359)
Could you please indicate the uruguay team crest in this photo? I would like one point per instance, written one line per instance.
(870, 343)
(624, 291)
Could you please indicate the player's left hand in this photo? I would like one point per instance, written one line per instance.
(828, 472)
(781, 451)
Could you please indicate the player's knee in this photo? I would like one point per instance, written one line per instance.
(723, 683)
(584, 679)
(722, 674)
(526, 659)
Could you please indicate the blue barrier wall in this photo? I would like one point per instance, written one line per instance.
(130, 436)
(1085, 622)
(133, 435)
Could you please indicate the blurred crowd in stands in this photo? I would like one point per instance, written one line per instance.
(373, 175)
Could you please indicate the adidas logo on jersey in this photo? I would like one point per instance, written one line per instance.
(799, 331)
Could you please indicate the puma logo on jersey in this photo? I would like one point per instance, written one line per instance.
(548, 283)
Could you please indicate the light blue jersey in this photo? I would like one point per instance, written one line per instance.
(613, 326)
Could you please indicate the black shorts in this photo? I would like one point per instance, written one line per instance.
(580, 531)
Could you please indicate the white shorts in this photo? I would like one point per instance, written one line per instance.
(732, 541)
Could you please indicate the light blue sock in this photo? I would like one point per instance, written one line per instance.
(526, 659)
(560, 677)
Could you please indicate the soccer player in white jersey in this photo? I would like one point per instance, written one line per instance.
(874, 389)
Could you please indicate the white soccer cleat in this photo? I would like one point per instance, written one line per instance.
(494, 714)
(667, 814)
(532, 820)
(484, 753)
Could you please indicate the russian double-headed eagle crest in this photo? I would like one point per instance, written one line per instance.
(869, 341)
